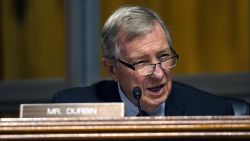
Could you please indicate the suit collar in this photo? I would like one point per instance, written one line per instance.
(110, 92)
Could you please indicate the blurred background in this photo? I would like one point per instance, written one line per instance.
(49, 45)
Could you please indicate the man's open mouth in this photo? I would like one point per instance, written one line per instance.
(155, 89)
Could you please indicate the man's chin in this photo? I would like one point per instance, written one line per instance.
(152, 104)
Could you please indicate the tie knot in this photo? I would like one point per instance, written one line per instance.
(144, 113)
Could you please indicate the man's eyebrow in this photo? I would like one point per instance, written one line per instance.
(164, 50)
(137, 57)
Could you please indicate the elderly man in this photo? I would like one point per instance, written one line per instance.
(138, 53)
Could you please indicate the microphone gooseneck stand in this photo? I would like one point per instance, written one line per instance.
(137, 95)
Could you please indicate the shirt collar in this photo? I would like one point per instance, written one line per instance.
(132, 110)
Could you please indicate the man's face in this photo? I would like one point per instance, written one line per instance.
(147, 48)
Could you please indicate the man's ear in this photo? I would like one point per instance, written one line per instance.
(110, 68)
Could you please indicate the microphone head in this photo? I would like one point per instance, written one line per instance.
(137, 92)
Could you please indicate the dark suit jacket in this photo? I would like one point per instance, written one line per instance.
(182, 100)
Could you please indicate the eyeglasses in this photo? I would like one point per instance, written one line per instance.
(167, 61)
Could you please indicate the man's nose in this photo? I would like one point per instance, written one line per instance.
(158, 71)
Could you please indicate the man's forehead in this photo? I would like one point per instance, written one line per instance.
(124, 36)
(155, 37)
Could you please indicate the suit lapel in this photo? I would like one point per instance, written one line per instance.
(174, 110)
(174, 105)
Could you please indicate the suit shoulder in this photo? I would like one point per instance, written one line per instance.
(200, 101)
(189, 91)
(81, 94)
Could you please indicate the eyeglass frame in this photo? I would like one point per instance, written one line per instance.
(131, 66)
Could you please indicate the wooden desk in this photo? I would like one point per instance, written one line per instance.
(133, 128)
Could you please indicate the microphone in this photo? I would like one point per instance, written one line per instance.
(137, 95)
